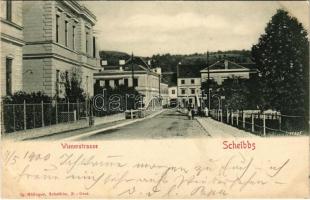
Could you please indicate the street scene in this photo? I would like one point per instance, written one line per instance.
(98, 70)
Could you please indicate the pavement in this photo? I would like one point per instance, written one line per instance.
(218, 129)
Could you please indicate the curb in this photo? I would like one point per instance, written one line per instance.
(198, 120)
(76, 137)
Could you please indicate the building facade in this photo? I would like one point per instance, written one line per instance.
(164, 94)
(60, 41)
(188, 85)
(133, 72)
(11, 47)
(224, 69)
(173, 92)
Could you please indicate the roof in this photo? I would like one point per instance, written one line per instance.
(188, 71)
(225, 64)
(137, 63)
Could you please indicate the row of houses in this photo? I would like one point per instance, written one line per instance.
(43, 40)
(187, 91)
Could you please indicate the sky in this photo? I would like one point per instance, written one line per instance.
(185, 27)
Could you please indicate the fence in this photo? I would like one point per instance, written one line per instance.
(263, 124)
(25, 116)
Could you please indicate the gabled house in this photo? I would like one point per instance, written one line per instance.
(223, 69)
(133, 72)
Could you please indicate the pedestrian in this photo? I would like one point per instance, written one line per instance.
(193, 113)
(206, 112)
(190, 114)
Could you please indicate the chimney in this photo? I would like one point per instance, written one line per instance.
(226, 64)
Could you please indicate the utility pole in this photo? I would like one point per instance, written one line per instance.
(132, 71)
(208, 82)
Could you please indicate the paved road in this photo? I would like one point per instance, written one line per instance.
(169, 124)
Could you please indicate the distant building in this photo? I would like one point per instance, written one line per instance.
(223, 69)
(188, 85)
(145, 80)
(173, 95)
(173, 92)
(164, 93)
(12, 42)
(59, 38)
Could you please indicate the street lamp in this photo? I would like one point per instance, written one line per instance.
(202, 100)
(209, 98)
(219, 100)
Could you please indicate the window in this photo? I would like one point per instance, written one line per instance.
(183, 91)
(66, 33)
(116, 83)
(57, 28)
(9, 10)
(190, 101)
(182, 81)
(126, 82)
(8, 76)
(106, 83)
(73, 37)
(192, 81)
(135, 82)
(86, 42)
(94, 47)
(192, 91)
(173, 91)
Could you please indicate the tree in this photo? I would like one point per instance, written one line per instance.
(236, 93)
(73, 90)
(128, 96)
(282, 57)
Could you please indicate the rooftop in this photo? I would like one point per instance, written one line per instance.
(225, 64)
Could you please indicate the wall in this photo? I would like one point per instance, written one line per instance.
(11, 46)
(172, 96)
(188, 86)
(14, 52)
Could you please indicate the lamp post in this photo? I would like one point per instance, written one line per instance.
(219, 100)
(202, 100)
(209, 98)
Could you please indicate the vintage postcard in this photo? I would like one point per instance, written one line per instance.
(154, 99)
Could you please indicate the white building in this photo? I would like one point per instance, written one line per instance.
(145, 80)
(223, 69)
(188, 85)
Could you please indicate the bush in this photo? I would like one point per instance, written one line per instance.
(20, 96)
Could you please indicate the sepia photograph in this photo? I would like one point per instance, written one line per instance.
(213, 76)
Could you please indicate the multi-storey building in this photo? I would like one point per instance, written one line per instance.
(188, 85)
(223, 69)
(11, 47)
(59, 40)
(132, 73)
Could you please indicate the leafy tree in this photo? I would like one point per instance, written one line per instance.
(236, 93)
(126, 103)
(282, 57)
(73, 89)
